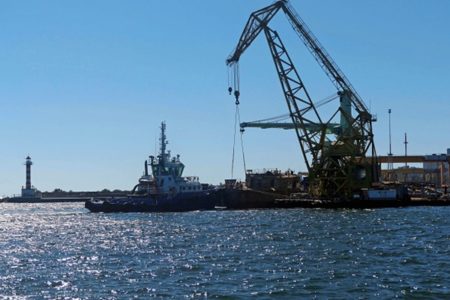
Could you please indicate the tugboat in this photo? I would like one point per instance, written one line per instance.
(163, 191)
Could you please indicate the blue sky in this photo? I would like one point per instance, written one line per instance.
(84, 85)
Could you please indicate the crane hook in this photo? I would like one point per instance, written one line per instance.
(236, 95)
(230, 89)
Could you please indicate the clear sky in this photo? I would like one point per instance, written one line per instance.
(84, 85)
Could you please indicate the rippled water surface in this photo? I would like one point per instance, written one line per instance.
(61, 250)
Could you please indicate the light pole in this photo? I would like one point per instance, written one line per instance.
(390, 163)
(406, 158)
(406, 150)
(390, 142)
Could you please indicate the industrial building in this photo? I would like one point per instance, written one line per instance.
(435, 169)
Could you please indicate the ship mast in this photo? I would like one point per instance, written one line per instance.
(163, 143)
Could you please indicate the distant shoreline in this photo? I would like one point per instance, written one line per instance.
(63, 196)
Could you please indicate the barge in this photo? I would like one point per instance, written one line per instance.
(276, 189)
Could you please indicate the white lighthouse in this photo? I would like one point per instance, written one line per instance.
(29, 191)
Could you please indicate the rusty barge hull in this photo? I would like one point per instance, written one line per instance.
(254, 199)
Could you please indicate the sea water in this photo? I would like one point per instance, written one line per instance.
(63, 251)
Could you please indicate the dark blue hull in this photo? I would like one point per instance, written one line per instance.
(205, 200)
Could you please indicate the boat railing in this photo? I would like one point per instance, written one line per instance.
(192, 178)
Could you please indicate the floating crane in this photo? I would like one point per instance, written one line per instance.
(336, 156)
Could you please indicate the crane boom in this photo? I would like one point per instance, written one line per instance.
(301, 107)
(255, 24)
(332, 128)
(261, 18)
(335, 74)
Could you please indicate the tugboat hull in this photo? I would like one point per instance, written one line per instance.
(177, 203)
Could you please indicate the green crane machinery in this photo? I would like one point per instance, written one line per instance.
(340, 158)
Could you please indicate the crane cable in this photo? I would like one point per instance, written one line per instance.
(234, 140)
(237, 120)
(242, 141)
(236, 82)
(230, 89)
(237, 116)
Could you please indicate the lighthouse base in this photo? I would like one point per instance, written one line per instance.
(31, 193)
